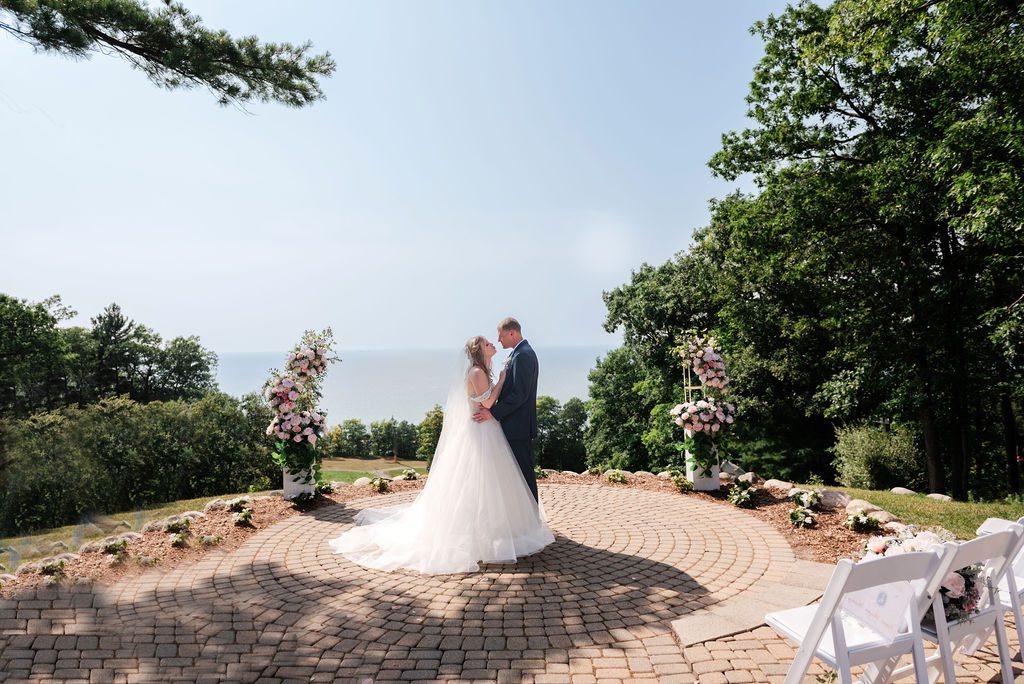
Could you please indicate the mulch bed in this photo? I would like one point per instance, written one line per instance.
(826, 542)
(267, 510)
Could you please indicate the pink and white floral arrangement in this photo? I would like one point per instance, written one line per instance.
(293, 394)
(704, 415)
(961, 589)
(704, 356)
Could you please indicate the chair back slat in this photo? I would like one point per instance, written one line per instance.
(905, 567)
(993, 551)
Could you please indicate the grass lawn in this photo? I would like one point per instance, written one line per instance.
(959, 517)
(342, 475)
(367, 464)
(29, 547)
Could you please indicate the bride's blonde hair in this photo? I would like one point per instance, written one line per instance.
(475, 352)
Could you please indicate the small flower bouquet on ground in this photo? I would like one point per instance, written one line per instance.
(862, 522)
(802, 517)
(742, 495)
(806, 498)
(961, 589)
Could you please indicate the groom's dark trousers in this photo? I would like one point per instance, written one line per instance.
(523, 451)
(516, 409)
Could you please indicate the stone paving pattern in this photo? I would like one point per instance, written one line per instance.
(595, 606)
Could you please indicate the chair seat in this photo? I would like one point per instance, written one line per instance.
(793, 624)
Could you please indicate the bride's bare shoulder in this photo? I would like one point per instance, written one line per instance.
(478, 379)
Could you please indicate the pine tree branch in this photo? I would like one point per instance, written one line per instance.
(170, 45)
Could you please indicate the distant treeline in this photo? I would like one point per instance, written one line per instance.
(110, 418)
(559, 442)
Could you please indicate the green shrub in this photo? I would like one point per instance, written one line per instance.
(682, 483)
(119, 455)
(870, 458)
(616, 477)
(179, 526)
(243, 517)
(117, 548)
(801, 517)
(741, 494)
(52, 569)
(862, 522)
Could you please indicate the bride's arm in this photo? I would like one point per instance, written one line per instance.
(479, 383)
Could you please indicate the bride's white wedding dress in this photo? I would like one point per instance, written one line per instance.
(476, 506)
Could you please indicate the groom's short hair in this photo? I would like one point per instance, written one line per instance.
(510, 324)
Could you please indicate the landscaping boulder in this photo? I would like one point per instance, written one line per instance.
(894, 527)
(216, 505)
(731, 468)
(88, 530)
(7, 578)
(940, 497)
(664, 475)
(882, 517)
(569, 472)
(752, 478)
(861, 506)
(549, 471)
(780, 485)
(832, 500)
(27, 568)
(644, 472)
(109, 525)
(362, 482)
(726, 478)
(336, 484)
(191, 515)
(902, 490)
(66, 557)
(54, 547)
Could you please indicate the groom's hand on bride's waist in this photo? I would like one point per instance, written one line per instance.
(482, 414)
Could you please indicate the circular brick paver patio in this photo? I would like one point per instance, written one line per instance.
(595, 605)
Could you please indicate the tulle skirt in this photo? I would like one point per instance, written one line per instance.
(476, 507)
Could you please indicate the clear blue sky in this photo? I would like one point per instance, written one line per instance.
(472, 160)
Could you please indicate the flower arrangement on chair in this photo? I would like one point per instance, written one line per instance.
(961, 589)
(298, 423)
(704, 414)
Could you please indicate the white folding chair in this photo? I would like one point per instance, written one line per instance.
(1011, 588)
(827, 632)
(995, 552)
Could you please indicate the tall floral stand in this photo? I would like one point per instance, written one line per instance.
(701, 481)
(295, 483)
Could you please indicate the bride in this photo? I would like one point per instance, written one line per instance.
(476, 506)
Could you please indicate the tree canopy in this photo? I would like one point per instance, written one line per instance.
(44, 366)
(876, 275)
(172, 47)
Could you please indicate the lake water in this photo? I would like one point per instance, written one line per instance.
(404, 384)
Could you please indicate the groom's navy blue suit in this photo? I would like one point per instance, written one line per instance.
(516, 409)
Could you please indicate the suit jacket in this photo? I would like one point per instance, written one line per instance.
(516, 408)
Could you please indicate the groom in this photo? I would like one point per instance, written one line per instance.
(516, 408)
